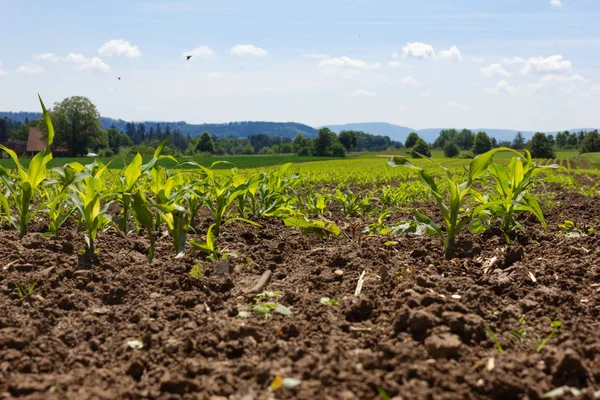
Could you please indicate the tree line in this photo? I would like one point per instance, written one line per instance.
(78, 131)
(468, 144)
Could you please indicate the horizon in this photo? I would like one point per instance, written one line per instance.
(522, 66)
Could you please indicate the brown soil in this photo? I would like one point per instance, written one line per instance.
(417, 330)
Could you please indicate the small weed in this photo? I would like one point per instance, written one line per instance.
(383, 394)
(26, 289)
(494, 338)
(263, 306)
(326, 301)
(197, 271)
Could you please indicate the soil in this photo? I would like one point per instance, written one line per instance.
(420, 328)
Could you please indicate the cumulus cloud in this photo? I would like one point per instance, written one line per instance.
(394, 64)
(501, 87)
(343, 61)
(119, 47)
(75, 58)
(409, 81)
(560, 83)
(513, 60)
(94, 64)
(30, 69)
(494, 71)
(49, 57)
(418, 50)
(363, 93)
(457, 105)
(82, 63)
(452, 54)
(552, 64)
(427, 51)
(202, 51)
(248, 50)
(556, 3)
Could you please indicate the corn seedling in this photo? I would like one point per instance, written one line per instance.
(22, 188)
(25, 290)
(317, 227)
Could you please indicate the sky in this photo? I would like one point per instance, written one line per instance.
(511, 64)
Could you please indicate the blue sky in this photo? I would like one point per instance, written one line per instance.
(519, 64)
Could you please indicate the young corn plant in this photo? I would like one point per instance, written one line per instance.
(452, 203)
(208, 248)
(58, 211)
(87, 196)
(513, 184)
(130, 180)
(21, 188)
(319, 228)
(221, 193)
(352, 204)
(142, 211)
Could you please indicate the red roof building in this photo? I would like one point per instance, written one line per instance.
(35, 141)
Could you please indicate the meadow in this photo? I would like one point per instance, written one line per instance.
(369, 277)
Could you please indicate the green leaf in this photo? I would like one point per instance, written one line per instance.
(136, 344)
(48, 122)
(281, 309)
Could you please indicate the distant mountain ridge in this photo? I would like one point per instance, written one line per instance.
(290, 129)
(240, 129)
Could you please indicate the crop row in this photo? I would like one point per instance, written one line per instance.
(149, 198)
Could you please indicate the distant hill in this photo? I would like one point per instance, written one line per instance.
(395, 132)
(289, 129)
(240, 129)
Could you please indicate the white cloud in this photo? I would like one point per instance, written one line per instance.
(559, 83)
(363, 93)
(394, 64)
(94, 64)
(30, 69)
(409, 81)
(119, 47)
(2, 71)
(477, 60)
(418, 50)
(341, 62)
(457, 105)
(552, 64)
(75, 58)
(452, 54)
(556, 3)
(501, 87)
(426, 51)
(202, 51)
(428, 93)
(50, 57)
(513, 60)
(316, 56)
(395, 55)
(494, 70)
(248, 50)
(82, 63)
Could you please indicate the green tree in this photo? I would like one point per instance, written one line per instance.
(348, 139)
(519, 142)
(116, 140)
(205, 144)
(561, 139)
(338, 150)
(590, 143)
(285, 148)
(3, 130)
(420, 148)
(76, 125)
(465, 139)
(451, 149)
(411, 140)
(541, 147)
(482, 143)
(323, 142)
(445, 135)
(572, 141)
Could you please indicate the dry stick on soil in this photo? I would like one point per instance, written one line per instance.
(359, 285)
(262, 282)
